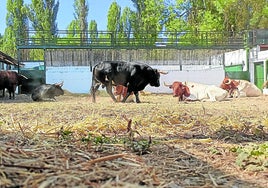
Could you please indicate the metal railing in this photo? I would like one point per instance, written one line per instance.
(113, 40)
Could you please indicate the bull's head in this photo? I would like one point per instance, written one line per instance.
(229, 84)
(179, 89)
(58, 89)
(227, 81)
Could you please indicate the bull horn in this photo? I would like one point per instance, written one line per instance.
(60, 84)
(168, 85)
(228, 82)
(162, 72)
(26, 78)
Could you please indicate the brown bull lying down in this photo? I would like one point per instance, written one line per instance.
(192, 91)
(120, 92)
(243, 88)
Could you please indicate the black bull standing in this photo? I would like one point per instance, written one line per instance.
(135, 76)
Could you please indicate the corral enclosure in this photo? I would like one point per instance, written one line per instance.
(160, 142)
(185, 52)
(74, 66)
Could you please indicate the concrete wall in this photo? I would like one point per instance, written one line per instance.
(77, 79)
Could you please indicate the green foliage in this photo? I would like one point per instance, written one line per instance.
(137, 145)
(16, 21)
(93, 31)
(97, 139)
(148, 19)
(141, 25)
(65, 134)
(81, 12)
(253, 157)
(126, 24)
(42, 15)
(113, 17)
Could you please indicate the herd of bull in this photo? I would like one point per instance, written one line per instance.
(129, 78)
(122, 79)
(10, 80)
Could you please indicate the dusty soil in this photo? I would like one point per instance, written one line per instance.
(158, 143)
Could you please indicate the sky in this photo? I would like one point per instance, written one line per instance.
(98, 10)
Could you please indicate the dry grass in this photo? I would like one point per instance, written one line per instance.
(158, 143)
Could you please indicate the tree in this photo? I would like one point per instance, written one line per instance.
(113, 16)
(227, 15)
(126, 23)
(81, 13)
(93, 30)
(73, 32)
(259, 17)
(17, 26)
(1, 41)
(148, 19)
(43, 16)
(175, 15)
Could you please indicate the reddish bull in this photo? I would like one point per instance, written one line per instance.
(230, 86)
(179, 90)
(10, 80)
(120, 91)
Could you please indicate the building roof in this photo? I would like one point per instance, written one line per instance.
(8, 59)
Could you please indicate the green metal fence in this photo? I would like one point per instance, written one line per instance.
(112, 40)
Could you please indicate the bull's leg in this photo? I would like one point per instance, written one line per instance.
(10, 92)
(136, 93)
(118, 98)
(211, 97)
(109, 89)
(125, 98)
(93, 90)
(13, 91)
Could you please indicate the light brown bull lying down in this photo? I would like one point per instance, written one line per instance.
(248, 89)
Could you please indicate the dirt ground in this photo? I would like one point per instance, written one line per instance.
(72, 142)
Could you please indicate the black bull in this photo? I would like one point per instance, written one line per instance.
(135, 76)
